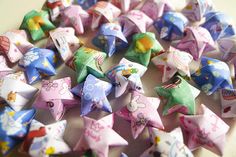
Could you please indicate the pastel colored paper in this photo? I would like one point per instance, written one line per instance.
(110, 38)
(177, 99)
(45, 140)
(173, 61)
(86, 4)
(37, 63)
(126, 75)
(219, 25)
(195, 10)
(168, 144)
(141, 112)
(171, 26)
(88, 61)
(197, 41)
(13, 127)
(55, 96)
(126, 5)
(134, 21)
(74, 16)
(228, 99)
(98, 135)
(13, 45)
(4, 69)
(37, 24)
(227, 46)
(103, 12)
(93, 93)
(212, 75)
(155, 8)
(205, 129)
(143, 47)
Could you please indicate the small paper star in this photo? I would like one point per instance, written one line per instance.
(126, 5)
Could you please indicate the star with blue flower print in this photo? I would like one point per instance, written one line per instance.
(93, 93)
(38, 63)
(13, 127)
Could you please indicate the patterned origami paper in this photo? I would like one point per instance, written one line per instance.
(93, 93)
(126, 5)
(4, 69)
(88, 61)
(56, 6)
(13, 127)
(38, 63)
(177, 99)
(126, 75)
(45, 140)
(155, 8)
(141, 112)
(173, 61)
(228, 101)
(135, 21)
(13, 44)
(110, 38)
(171, 26)
(168, 144)
(196, 41)
(98, 135)
(212, 75)
(86, 4)
(55, 96)
(103, 12)
(227, 46)
(219, 25)
(37, 23)
(205, 129)
(143, 46)
(74, 16)
(196, 9)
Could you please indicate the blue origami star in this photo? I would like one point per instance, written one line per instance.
(93, 93)
(38, 63)
(13, 127)
(85, 4)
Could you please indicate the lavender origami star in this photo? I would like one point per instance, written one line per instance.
(126, 5)
(227, 46)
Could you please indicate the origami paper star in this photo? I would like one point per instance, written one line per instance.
(141, 112)
(155, 8)
(212, 75)
(228, 99)
(13, 127)
(219, 25)
(227, 46)
(126, 5)
(86, 4)
(196, 9)
(134, 21)
(177, 99)
(110, 38)
(37, 63)
(167, 144)
(98, 135)
(126, 75)
(45, 140)
(171, 26)
(88, 61)
(37, 23)
(173, 61)
(74, 16)
(4, 69)
(93, 93)
(103, 12)
(197, 41)
(13, 44)
(205, 129)
(144, 45)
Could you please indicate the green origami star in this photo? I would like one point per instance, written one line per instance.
(181, 96)
(144, 45)
(88, 61)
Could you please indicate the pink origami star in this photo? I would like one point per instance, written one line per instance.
(205, 129)
(98, 135)
(126, 5)
(141, 112)
(4, 69)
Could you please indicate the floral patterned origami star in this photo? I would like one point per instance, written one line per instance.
(37, 63)
(126, 75)
(13, 44)
(141, 112)
(126, 5)
(37, 23)
(205, 129)
(177, 99)
(45, 140)
(98, 135)
(14, 127)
